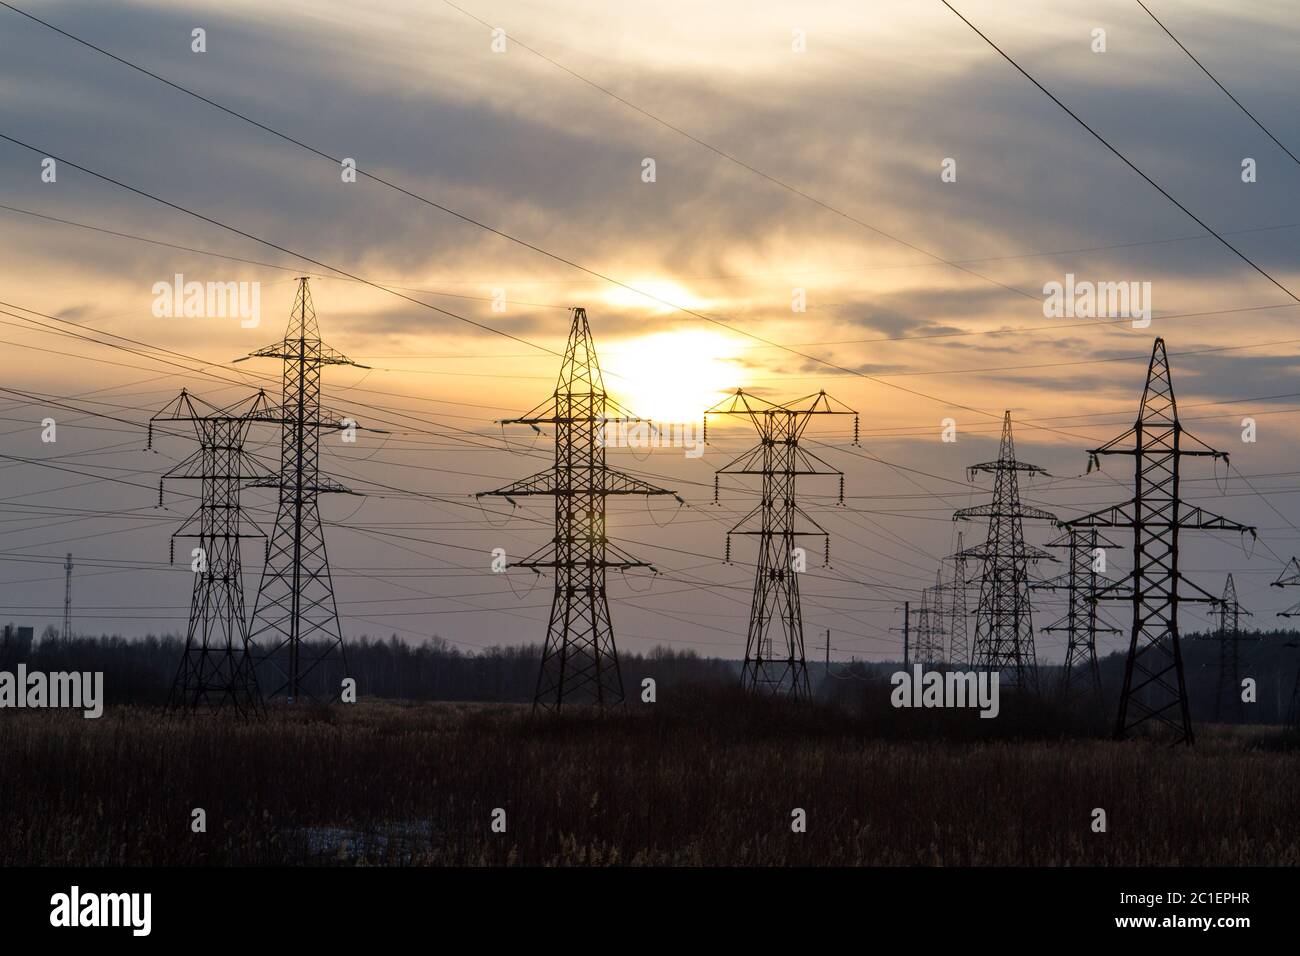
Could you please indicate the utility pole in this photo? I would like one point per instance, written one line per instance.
(67, 597)
(907, 633)
(1229, 634)
(295, 631)
(1154, 684)
(216, 668)
(579, 658)
(1004, 628)
(774, 647)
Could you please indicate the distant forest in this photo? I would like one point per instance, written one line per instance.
(141, 670)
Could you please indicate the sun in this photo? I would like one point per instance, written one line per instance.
(672, 377)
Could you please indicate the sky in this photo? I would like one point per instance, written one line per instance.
(776, 174)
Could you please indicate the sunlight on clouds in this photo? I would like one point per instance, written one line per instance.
(657, 293)
(672, 377)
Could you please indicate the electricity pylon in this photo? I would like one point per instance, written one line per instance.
(1083, 580)
(67, 597)
(216, 669)
(958, 616)
(295, 633)
(1154, 685)
(1229, 635)
(774, 647)
(929, 626)
(579, 658)
(1004, 626)
(1290, 577)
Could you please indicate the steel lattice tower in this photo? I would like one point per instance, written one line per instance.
(295, 632)
(1229, 635)
(1290, 577)
(67, 597)
(1082, 622)
(958, 615)
(774, 648)
(1004, 627)
(1154, 685)
(579, 658)
(929, 628)
(216, 668)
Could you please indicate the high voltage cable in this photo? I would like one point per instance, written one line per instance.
(266, 242)
(468, 219)
(880, 339)
(440, 498)
(1128, 162)
(256, 262)
(1215, 79)
(786, 273)
(203, 370)
(204, 367)
(606, 278)
(740, 162)
(233, 229)
(886, 432)
(1217, 236)
(893, 338)
(436, 497)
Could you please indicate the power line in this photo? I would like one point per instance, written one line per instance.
(740, 162)
(1128, 162)
(1215, 79)
(266, 242)
(436, 205)
(880, 339)
(255, 262)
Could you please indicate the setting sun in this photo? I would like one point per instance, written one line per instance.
(672, 377)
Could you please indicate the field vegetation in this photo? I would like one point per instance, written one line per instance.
(707, 777)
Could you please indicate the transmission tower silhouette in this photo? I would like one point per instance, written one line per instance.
(958, 615)
(774, 648)
(1082, 581)
(67, 597)
(1290, 577)
(1004, 627)
(929, 629)
(1154, 684)
(1229, 635)
(216, 669)
(295, 633)
(579, 658)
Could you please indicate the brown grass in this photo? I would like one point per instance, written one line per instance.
(705, 783)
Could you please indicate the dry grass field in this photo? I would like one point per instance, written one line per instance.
(712, 780)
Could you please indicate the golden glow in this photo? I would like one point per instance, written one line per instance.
(672, 377)
(657, 292)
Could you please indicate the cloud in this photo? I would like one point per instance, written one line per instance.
(861, 123)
